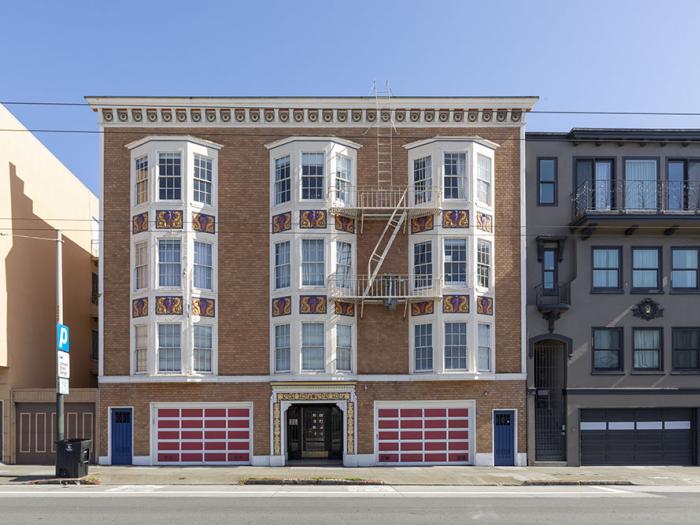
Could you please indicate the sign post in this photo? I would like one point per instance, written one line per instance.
(62, 348)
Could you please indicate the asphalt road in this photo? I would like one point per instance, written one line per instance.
(344, 505)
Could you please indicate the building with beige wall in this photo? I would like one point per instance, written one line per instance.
(38, 195)
(305, 279)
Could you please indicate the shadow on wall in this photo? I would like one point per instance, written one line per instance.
(30, 268)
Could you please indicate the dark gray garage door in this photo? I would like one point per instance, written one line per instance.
(649, 436)
(36, 429)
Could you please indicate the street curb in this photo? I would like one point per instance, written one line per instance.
(89, 480)
(272, 481)
(579, 483)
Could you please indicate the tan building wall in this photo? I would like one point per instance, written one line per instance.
(38, 194)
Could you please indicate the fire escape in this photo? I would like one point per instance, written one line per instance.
(385, 201)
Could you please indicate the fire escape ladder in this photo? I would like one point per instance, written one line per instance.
(385, 129)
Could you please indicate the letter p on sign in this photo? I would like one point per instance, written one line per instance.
(62, 338)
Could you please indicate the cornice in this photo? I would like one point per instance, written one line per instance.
(310, 112)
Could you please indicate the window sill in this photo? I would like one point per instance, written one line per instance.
(639, 291)
(680, 291)
(608, 373)
(685, 372)
(648, 373)
(606, 291)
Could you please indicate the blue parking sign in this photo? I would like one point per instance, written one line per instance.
(62, 338)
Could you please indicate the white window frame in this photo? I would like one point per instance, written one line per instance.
(212, 268)
(466, 367)
(491, 347)
(323, 177)
(289, 324)
(287, 265)
(478, 265)
(423, 196)
(134, 357)
(195, 179)
(301, 263)
(212, 327)
(464, 177)
(413, 273)
(456, 284)
(183, 174)
(351, 327)
(414, 370)
(183, 247)
(348, 282)
(315, 321)
(137, 181)
(144, 265)
(478, 180)
(288, 179)
(157, 370)
(344, 195)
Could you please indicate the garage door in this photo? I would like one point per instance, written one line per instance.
(423, 434)
(638, 437)
(36, 429)
(203, 434)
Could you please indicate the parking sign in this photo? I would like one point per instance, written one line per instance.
(62, 338)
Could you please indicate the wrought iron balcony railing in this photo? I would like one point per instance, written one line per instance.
(384, 287)
(636, 197)
(553, 297)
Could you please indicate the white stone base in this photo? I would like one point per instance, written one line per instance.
(359, 460)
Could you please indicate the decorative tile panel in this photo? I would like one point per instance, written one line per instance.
(139, 307)
(455, 219)
(282, 222)
(281, 306)
(312, 304)
(315, 219)
(139, 223)
(201, 222)
(344, 224)
(422, 224)
(455, 304)
(169, 305)
(484, 222)
(484, 305)
(203, 307)
(169, 219)
(346, 309)
(422, 308)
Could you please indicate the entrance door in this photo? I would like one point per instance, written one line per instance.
(121, 436)
(504, 438)
(314, 431)
(550, 401)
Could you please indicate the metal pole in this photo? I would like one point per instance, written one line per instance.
(59, 320)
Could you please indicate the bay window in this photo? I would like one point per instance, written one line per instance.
(141, 266)
(312, 262)
(343, 347)
(141, 169)
(312, 347)
(483, 263)
(203, 265)
(422, 180)
(483, 179)
(312, 176)
(455, 262)
(282, 348)
(282, 265)
(169, 177)
(283, 180)
(423, 347)
(169, 347)
(455, 346)
(484, 355)
(455, 175)
(169, 262)
(423, 264)
(202, 180)
(202, 348)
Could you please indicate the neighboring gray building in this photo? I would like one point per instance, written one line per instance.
(613, 305)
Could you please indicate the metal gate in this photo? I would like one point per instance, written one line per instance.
(36, 429)
(550, 401)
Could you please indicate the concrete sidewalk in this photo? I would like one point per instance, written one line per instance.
(507, 476)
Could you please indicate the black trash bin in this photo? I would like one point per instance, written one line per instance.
(72, 458)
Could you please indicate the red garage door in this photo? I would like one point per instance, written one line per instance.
(203, 435)
(423, 434)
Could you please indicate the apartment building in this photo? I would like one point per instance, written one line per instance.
(38, 195)
(612, 300)
(312, 279)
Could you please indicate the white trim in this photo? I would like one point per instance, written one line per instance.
(523, 256)
(108, 457)
(378, 378)
(297, 138)
(438, 138)
(100, 266)
(173, 138)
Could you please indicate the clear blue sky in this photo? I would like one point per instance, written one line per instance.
(576, 55)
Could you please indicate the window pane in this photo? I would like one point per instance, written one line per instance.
(169, 270)
(645, 265)
(312, 175)
(202, 348)
(203, 265)
(456, 346)
(282, 348)
(141, 348)
(606, 360)
(282, 265)
(283, 180)
(546, 193)
(343, 266)
(169, 176)
(423, 264)
(455, 175)
(484, 356)
(456, 261)
(606, 268)
(606, 348)
(686, 348)
(141, 165)
(684, 272)
(483, 175)
(202, 183)
(141, 266)
(343, 347)
(422, 180)
(312, 346)
(169, 347)
(312, 265)
(342, 178)
(647, 348)
(423, 340)
(546, 170)
(483, 263)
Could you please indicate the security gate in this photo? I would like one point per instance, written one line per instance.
(550, 401)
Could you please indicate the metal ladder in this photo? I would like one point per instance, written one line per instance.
(385, 130)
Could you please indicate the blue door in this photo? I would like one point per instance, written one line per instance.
(504, 438)
(121, 436)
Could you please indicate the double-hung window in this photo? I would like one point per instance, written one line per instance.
(456, 262)
(169, 177)
(549, 270)
(282, 348)
(312, 262)
(423, 346)
(343, 264)
(422, 180)
(140, 348)
(546, 181)
(483, 263)
(202, 180)
(202, 348)
(343, 167)
(312, 176)
(141, 266)
(646, 269)
(203, 265)
(169, 347)
(312, 347)
(455, 346)
(141, 168)
(423, 264)
(647, 348)
(169, 262)
(282, 265)
(607, 349)
(686, 348)
(484, 356)
(283, 180)
(454, 179)
(483, 179)
(684, 268)
(343, 347)
(607, 269)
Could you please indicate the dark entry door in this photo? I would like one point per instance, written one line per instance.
(121, 436)
(550, 401)
(504, 438)
(314, 431)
